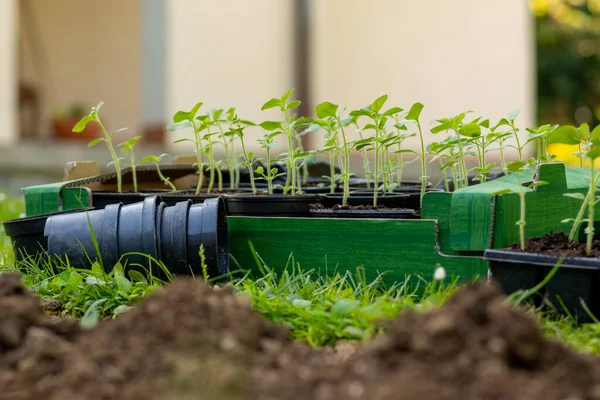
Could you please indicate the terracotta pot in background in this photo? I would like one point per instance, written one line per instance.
(62, 129)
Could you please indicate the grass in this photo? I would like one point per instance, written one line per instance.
(319, 310)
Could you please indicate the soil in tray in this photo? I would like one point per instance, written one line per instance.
(184, 341)
(361, 207)
(556, 244)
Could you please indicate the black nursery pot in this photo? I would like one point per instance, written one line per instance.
(27, 234)
(577, 279)
(171, 234)
(274, 205)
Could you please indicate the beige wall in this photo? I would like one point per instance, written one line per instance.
(7, 72)
(230, 53)
(92, 54)
(452, 56)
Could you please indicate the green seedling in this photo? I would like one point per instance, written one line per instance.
(127, 147)
(517, 167)
(229, 146)
(540, 135)
(248, 160)
(187, 119)
(94, 116)
(332, 116)
(399, 140)
(289, 128)
(454, 124)
(509, 123)
(473, 133)
(270, 174)
(589, 148)
(378, 125)
(331, 147)
(156, 161)
(413, 116)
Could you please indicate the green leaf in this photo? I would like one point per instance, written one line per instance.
(293, 104)
(392, 111)
(595, 136)
(485, 123)
(286, 95)
(584, 131)
(80, 126)
(513, 114)
(92, 315)
(121, 309)
(95, 142)
(271, 125)
(515, 166)
(503, 191)
(565, 135)
(471, 130)
(441, 127)
(415, 112)
(360, 113)
(378, 103)
(271, 104)
(578, 196)
(149, 159)
(344, 307)
(326, 109)
(593, 153)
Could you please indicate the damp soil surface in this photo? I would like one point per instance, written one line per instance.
(188, 341)
(556, 244)
(360, 207)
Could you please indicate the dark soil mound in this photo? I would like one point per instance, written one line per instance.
(188, 341)
(557, 244)
(476, 347)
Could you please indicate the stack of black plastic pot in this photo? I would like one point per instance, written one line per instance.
(137, 235)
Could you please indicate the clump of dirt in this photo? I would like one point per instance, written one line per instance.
(188, 341)
(556, 244)
(475, 347)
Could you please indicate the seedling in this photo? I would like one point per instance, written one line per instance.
(509, 122)
(268, 143)
(94, 116)
(589, 148)
(237, 128)
(127, 147)
(517, 167)
(472, 131)
(156, 161)
(229, 145)
(288, 127)
(187, 119)
(332, 113)
(454, 124)
(413, 116)
(400, 138)
(378, 124)
(540, 135)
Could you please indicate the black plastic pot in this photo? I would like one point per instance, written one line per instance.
(366, 198)
(275, 205)
(577, 279)
(27, 234)
(387, 214)
(171, 234)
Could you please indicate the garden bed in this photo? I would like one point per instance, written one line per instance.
(184, 342)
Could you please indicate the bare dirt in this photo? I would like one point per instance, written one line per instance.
(188, 341)
(557, 244)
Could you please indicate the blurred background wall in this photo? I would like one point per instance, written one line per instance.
(148, 58)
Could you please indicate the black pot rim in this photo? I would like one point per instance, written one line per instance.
(32, 223)
(542, 260)
(250, 197)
